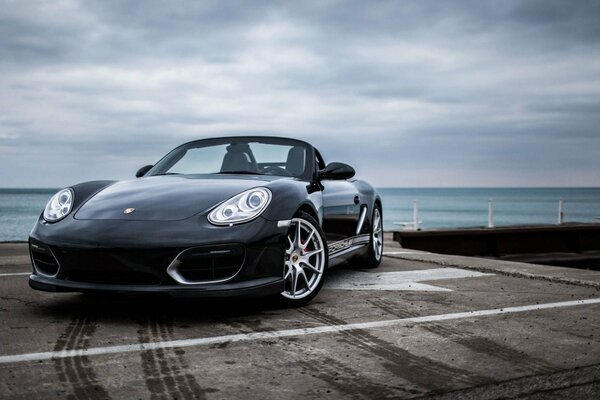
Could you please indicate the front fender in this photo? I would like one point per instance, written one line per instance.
(84, 191)
(289, 196)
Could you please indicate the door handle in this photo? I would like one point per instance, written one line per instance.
(356, 199)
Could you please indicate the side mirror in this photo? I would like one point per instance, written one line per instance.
(143, 171)
(337, 170)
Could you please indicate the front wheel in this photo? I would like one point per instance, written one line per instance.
(306, 259)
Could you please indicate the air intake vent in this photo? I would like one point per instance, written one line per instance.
(207, 264)
(117, 266)
(44, 261)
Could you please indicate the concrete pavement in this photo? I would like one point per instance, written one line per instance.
(436, 332)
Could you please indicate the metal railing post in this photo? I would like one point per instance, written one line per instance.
(490, 213)
(415, 215)
(560, 212)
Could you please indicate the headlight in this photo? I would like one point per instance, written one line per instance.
(59, 205)
(241, 208)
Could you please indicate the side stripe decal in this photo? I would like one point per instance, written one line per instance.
(354, 242)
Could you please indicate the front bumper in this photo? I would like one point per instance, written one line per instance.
(179, 257)
(250, 288)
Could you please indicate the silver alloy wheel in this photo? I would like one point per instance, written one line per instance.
(304, 260)
(377, 235)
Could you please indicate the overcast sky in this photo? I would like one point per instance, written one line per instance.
(412, 93)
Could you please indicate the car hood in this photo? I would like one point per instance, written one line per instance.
(165, 198)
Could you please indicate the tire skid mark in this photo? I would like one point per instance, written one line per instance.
(190, 379)
(392, 309)
(248, 326)
(350, 382)
(152, 378)
(77, 372)
(475, 343)
(329, 370)
(175, 379)
(164, 361)
(166, 371)
(437, 377)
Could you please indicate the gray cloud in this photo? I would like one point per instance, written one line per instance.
(414, 93)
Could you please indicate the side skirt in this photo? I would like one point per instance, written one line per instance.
(349, 245)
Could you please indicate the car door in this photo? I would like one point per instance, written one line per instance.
(341, 209)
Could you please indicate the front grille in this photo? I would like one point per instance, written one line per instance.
(114, 266)
(44, 261)
(208, 264)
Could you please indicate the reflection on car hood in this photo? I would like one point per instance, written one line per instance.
(166, 198)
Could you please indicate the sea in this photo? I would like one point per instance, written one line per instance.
(437, 207)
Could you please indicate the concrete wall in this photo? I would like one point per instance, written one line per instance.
(498, 242)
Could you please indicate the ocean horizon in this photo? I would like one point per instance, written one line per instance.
(438, 207)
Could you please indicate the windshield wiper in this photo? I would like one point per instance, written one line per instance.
(167, 173)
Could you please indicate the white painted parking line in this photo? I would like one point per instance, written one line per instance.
(249, 337)
(398, 280)
(15, 274)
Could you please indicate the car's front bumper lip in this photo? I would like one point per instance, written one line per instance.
(250, 288)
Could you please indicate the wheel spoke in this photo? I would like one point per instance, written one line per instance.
(310, 266)
(288, 272)
(298, 240)
(376, 222)
(294, 282)
(291, 248)
(307, 241)
(306, 280)
(312, 253)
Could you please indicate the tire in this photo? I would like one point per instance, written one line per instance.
(375, 251)
(306, 261)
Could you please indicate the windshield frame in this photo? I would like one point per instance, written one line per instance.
(166, 162)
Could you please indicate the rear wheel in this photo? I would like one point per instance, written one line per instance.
(306, 259)
(375, 251)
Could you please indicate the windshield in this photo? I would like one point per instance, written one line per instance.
(254, 156)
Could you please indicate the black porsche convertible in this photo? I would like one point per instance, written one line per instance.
(232, 216)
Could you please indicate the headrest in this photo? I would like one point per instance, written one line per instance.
(238, 148)
(295, 161)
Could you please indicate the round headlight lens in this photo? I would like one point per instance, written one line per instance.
(241, 208)
(255, 199)
(229, 211)
(59, 205)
